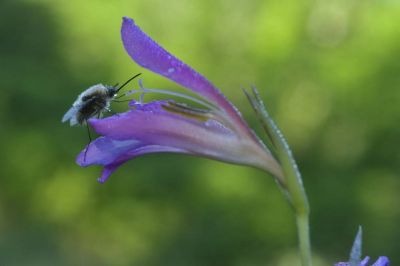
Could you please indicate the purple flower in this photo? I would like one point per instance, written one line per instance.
(217, 132)
(355, 254)
(382, 261)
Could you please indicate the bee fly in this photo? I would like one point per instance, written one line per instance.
(92, 102)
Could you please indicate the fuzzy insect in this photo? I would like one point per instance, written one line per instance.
(92, 102)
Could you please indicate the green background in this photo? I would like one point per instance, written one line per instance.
(328, 71)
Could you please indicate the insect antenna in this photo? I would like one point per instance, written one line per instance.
(129, 80)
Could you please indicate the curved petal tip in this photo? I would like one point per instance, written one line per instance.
(150, 55)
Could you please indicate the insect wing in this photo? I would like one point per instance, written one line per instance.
(71, 115)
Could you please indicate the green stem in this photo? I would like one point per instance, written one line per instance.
(296, 193)
(304, 239)
(293, 188)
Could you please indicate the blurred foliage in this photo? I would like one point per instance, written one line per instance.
(329, 72)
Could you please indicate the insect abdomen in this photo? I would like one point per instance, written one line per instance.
(90, 108)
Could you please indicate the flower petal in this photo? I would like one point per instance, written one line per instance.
(147, 53)
(151, 124)
(382, 261)
(113, 153)
(104, 151)
(365, 261)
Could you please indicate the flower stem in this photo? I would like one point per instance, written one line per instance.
(296, 194)
(304, 239)
(294, 189)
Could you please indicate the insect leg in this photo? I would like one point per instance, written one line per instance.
(90, 139)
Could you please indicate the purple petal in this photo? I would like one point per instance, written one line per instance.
(382, 261)
(113, 153)
(105, 151)
(151, 124)
(365, 261)
(147, 53)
